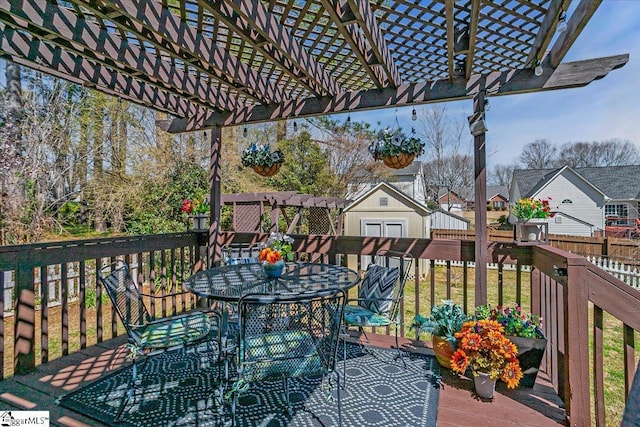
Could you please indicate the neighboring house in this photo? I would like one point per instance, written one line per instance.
(409, 180)
(454, 201)
(589, 199)
(385, 211)
(498, 197)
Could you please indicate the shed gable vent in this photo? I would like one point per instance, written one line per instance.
(384, 201)
(567, 201)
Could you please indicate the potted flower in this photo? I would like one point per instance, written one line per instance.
(274, 252)
(445, 320)
(525, 331)
(263, 161)
(197, 210)
(395, 149)
(483, 348)
(531, 214)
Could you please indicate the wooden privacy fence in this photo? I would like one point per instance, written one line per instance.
(623, 250)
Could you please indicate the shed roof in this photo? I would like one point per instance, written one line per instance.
(399, 195)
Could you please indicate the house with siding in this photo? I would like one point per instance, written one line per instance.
(408, 180)
(585, 200)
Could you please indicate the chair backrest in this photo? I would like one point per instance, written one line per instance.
(240, 253)
(286, 336)
(125, 297)
(384, 280)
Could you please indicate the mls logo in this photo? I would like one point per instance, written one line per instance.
(6, 418)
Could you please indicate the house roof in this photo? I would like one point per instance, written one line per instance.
(394, 192)
(615, 182)
(495, 190)
(445, 212)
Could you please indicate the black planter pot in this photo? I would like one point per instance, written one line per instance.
(530, 353)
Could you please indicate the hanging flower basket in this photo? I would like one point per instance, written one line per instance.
(399, 161)
(262, 160)
(267, 170)
(395, 149)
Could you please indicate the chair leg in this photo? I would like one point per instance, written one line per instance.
(132, 387)
(400, 354)
(339, 401)
(287, 393)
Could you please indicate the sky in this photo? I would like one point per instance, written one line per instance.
(605, 109)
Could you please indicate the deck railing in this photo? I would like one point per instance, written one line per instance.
(561, 288)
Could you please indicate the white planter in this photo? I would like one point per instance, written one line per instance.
(484, 385)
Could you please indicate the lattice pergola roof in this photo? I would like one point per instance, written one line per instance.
(226, 62)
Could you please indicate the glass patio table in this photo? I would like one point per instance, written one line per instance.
(229, 283)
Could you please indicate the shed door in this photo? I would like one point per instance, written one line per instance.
(381, 228)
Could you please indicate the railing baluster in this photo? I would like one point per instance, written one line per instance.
(432, 283)
(465, 284)
(44, 315)
(64, 297)
(598, 365)
(500, 284)
(82, 296)
(448, 279)
(629, 358)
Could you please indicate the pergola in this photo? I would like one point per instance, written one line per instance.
(216, 63)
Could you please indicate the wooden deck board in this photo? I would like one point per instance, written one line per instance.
(458, 406)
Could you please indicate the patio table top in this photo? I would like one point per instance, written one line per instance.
(231, 282)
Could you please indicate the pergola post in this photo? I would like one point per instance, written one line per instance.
(478, 130)
(215, 177)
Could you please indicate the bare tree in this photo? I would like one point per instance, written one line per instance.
(447, 145)
(501, 175)
(612, 152)
(350, 159)
(539, 154)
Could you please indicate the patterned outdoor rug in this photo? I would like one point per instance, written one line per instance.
(178, 389)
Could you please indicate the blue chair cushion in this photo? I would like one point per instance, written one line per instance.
(355, 315)
(280, 354)
(242, 260)
(377, 287)
(181, 330)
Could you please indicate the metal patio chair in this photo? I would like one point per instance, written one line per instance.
(379, 297)
(288, 336)
(149, 337)
(239, 253)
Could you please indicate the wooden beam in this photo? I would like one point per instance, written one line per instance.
(34, 53)
(72, 33)
(448, 12)
(377, 44)
(245, 16)
(575, 25)
(566, 75)
(473, 32)
(165, 30)
(343, 18)
(546, 31)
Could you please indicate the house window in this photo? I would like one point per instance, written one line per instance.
(567, 201)
(498, 204)
(384, 201)
(558, 219)
(616, 210)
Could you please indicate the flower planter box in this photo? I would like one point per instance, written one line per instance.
(199, 222)
(531, 232)
(400, 161)
(267, 170)
(530, 353)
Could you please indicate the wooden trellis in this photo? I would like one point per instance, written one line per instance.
(297, 213)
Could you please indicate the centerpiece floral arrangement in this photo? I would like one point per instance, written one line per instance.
(482, 347)
(195, 206)
(514, 321)
(528, 208)
(261, 156)
(276, 248)
(393, 142)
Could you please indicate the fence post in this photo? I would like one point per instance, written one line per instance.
(576, 343)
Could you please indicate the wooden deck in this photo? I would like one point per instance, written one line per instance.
(458, 406)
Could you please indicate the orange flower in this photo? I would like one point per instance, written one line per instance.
(471, 341)
(273, 257)
(459, 361)
(264, 253)
(509, 349)
(512, 374)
